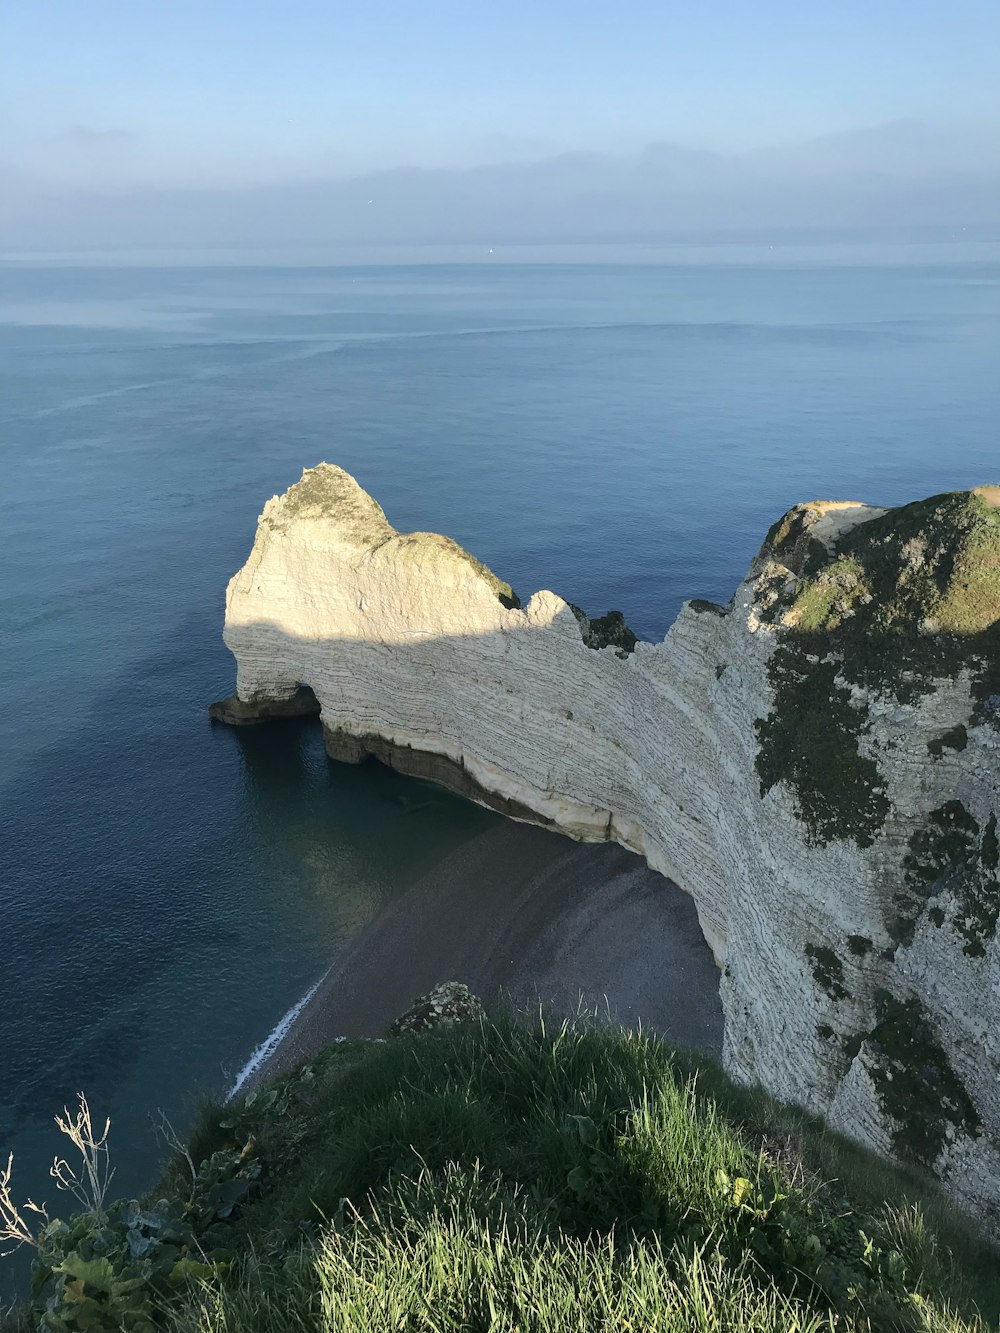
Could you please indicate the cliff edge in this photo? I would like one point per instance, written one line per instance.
(815, 763)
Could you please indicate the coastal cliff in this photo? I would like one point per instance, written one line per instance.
(815, 763)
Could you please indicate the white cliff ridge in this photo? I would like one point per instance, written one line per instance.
(816, 764)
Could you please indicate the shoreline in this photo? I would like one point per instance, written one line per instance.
(523, 916)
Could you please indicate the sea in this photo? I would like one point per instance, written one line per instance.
(620, 427)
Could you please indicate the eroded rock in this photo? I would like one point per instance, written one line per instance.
(816, 763)
(449, 1003)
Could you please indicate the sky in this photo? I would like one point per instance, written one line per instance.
(138, 99)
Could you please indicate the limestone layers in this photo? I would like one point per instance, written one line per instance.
(815, 763)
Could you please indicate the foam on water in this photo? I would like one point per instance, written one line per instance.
(274, 1039)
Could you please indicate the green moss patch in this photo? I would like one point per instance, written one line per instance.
(326, 491)
(810, 742)
(827, 970)
(906, 599)
(948, 852)
(825, 601)
(990, 849)
(918, 1089)
(909, 597)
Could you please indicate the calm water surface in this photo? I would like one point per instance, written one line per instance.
(623, 434)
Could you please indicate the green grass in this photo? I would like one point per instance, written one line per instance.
(522, 1176)
(908, 597)
(825, 601)
(533, 1177)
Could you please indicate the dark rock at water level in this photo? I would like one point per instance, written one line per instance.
(237, 712)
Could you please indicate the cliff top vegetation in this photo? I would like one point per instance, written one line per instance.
(497, 1175)
(886, 601)
(906, 596)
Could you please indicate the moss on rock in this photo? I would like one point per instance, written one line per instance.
(955, 739)
(810, 742)
(910, 596)
(827, 970)
(449, 1003)
(919, 1091)
(947, 853)
(892, 604)
(327, 491)
(824, 602)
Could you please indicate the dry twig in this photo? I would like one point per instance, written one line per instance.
(91, 1185)
(172, 1139)
(14, 1227)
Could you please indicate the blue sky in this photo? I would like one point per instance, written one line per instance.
(174, 91)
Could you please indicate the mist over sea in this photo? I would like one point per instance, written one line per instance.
(623, 433)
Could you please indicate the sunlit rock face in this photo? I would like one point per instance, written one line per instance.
(816, 764)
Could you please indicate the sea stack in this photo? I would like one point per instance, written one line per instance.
(816, 763)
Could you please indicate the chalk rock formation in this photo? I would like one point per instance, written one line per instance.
(816, 763)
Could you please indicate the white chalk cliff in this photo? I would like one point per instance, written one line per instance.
(816, 764)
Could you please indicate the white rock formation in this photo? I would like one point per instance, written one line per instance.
(851, 907)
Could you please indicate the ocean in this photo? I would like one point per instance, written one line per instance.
(623, 433)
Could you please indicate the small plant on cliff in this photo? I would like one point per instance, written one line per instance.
(109, 1266)
(88, 1182)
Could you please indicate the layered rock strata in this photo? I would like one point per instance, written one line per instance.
(815, 763)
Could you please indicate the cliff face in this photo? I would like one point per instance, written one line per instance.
(815, 763)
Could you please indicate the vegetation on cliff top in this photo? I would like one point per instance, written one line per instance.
(327, 491)
(907, 597)
(502, 1176)
(419, 545)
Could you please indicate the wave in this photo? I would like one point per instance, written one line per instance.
(273, 1040)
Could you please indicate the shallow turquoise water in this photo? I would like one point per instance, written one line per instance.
(623, 434)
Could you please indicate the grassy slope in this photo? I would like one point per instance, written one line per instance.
(505, 1176)
(524, 1177)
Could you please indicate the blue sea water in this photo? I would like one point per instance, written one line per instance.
(623, 433)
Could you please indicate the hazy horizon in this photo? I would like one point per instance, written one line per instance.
(295, 126)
